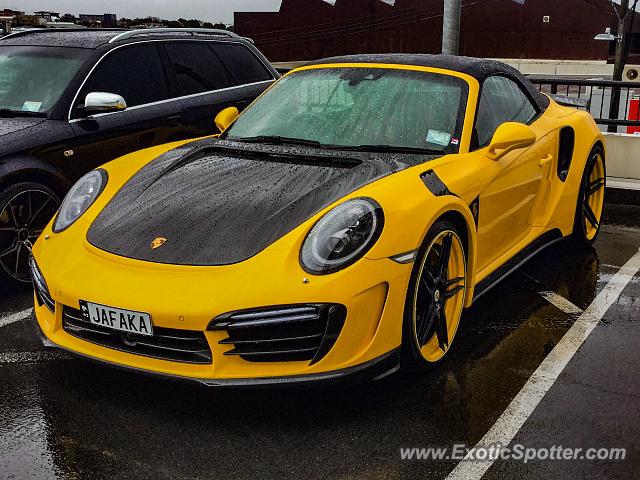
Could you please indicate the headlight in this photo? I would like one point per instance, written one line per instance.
(80, 198)
(342, 236)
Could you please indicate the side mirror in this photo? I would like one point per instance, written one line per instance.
(101, 102)
(226, 117)
(510, 136)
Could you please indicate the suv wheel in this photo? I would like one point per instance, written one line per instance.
(25, 210)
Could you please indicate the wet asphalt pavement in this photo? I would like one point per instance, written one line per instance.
(62, 417)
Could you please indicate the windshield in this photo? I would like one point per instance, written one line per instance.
(359, 107)
(32, 79)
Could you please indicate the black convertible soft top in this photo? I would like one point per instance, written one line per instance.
(479, 68)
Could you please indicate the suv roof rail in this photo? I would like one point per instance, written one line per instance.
(22, 33)
(160, 31)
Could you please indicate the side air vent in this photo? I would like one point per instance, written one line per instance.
(43, 298)
(565, 152)
(282, 334)
(434, 184)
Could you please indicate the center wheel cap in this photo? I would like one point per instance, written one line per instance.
(436, 296)
(23, 235)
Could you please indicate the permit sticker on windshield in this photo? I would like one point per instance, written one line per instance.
(439, 138)
(31, 106)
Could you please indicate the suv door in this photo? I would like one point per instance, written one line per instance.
(203, 85)
(507, 205)
(246, 70)
(212, 76)
(136, 73)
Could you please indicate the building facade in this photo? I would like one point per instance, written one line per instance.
(533, 29)
(109, 20)
(47, 16)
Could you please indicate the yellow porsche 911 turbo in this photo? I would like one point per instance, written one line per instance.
(336, 229)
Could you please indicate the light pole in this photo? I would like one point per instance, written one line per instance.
(451, 27)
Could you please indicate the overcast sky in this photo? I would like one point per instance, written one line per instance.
(208, 10)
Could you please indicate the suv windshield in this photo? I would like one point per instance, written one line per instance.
(32, 79)
(359, 108)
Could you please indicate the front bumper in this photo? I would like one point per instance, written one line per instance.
(372, 291)
(373, 370)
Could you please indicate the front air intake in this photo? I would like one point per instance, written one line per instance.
(184, 346)
(282, 334)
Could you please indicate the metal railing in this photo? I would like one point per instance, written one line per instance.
(612, 103)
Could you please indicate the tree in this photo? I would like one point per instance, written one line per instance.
(171, 24)
(625, 17)
(68, 17)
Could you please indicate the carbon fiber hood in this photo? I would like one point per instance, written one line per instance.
(217, 205)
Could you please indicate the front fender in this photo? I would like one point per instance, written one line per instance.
(23, 168)
(410, 210)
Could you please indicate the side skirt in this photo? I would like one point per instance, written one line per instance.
(523, 256)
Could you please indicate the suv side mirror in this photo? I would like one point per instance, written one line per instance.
(510, 136)
(226, 117)
(100, 102)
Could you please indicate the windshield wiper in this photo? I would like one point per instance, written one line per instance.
(387, 149)
(277, 140)
(8, 113)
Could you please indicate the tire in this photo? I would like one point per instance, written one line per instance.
(435, 298)
(590, 201)
(25, 209)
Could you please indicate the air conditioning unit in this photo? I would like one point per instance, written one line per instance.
(631, 73)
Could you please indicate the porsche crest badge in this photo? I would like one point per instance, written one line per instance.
(158, 242)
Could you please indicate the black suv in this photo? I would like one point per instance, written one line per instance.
(72, 100)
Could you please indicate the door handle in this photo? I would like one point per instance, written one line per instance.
(174, 120)
(547, 159)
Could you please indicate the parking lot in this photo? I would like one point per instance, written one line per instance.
(66, 417)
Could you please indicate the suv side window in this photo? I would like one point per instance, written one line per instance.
(197, 67)
(501, 100)
(243, 65)
(135, 73)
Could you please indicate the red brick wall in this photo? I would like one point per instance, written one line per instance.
(310, 29)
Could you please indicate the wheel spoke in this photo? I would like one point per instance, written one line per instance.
(590, 216)
(28, 245)
(18, 260)
(429, 276)
(425, 323)
(13, 215)
(10, 250)
(426, 285)
(453, 281)
(453, 292)
(32, 218)
(441, 330)
(595, 186)
(445, 253)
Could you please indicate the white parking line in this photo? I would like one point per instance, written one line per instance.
(562, 303)
(522, 406)
(15, 317)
